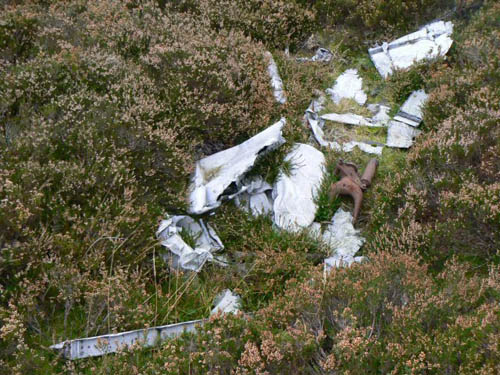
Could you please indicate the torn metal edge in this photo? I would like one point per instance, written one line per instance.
(226, 303)
(349, 85)
(400, 135)
(179, 254)
(257, 197)
(437, 34)
(410, 112)
(276, 82)
(350, 119)
(316, 123)
(294, 194)
(112, 343)
(216, 173)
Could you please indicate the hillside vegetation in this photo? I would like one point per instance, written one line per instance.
(106, 105)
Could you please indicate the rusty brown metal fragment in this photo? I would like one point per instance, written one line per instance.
(352, 184)
(346, 186)
(370, 169)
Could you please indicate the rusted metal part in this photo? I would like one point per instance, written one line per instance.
(370, 169)
(348, 170)
(352, 184)
(347, 186)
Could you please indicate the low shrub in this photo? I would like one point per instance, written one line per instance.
(104, 110)
(17, 35)
(278, 24)
(381, 16)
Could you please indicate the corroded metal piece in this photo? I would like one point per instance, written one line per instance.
(348, 170)
(347, 186)
(370, 169)
(352, 184)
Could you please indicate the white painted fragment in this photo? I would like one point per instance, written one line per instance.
(350, 119)
(410, 112)
(317, 123)
(227, 302)
(343, 239)
(312, 118)
(363, 146)
(319, 135)
(218, 176)
(112, 343)
(381, 59)
(257, 197)
(429, 42)
(402, 129)
(294, 205)
(321, 55)
(349, 85)
(400, 135)
(380, 114)
(179, 252)
(276, 82)
(316, 106)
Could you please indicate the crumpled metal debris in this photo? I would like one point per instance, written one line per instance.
(112, 343)
(226, 303)
(257, 197)
(317, 123)
(218, 176)
(380, 114)
(294, 203)
(343, 239)
(96, 346)
(322, 55)
(348, 85)
(401, 135)
(180, 253)
(276, 82)
(351, 119)
(410, 112)
(316, 105)
(312, 118)
(430, 41)
(351, 183)
(363, 146)
(401, 130)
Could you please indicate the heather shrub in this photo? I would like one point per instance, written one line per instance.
(381, 16)
(214, 85)
(405, 321)
(17, 33)
(403, 82)
(278, 24)
(104, 110)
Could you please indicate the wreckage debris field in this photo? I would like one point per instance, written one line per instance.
(249, 187)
